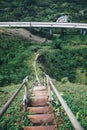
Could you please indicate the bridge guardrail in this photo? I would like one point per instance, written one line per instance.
(44, 24)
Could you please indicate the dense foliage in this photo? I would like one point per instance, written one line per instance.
(15, 54)
(15, 118)
(75, 96)
(38, 10)
(66, 61)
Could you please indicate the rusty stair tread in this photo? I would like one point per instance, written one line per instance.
(39, 101)
(41, 118)
(38, 91)
(39, 88)
(39, 97)
(42, 112)
(36, 110)
(49, 127)
(39, 94)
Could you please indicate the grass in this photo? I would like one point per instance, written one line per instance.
(6, 93)
(15, 118)
(75, 39)
(75, 96)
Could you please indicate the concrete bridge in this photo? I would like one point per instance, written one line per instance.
(44, 24)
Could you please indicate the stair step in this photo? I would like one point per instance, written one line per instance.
(41, 118)
(39, 88)
(39, 97)
(42, 112)
(50, 127)
(39, 110)
(38, 92)
(39, 101)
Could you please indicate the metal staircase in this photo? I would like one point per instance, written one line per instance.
(42, 115)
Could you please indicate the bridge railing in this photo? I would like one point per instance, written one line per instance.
(71, 116)
(44, 24)
(8, 103)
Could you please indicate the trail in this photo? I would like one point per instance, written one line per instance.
(34, 64)
(41, 110)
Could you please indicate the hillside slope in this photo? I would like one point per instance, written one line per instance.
(14, 57)
(67, 54)
(26, 34)
(38, 10)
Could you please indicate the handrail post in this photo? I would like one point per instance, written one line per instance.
(49, 89)
(26, 99)
(44, 81)
(26, 85)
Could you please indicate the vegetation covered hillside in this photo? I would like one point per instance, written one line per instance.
(38, 10)
(15, 57)
(64, 59)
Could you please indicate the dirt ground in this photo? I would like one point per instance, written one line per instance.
(21, 32)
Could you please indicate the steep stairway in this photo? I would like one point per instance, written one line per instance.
(42, 115)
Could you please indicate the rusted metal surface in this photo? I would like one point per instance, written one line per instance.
(39, 92)
(49, 127)
(39, 101)
(39, 97)
(42, 112)
(37, 110)
(41, 88)
(41, 118)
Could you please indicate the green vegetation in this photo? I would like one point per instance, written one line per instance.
(62, 61)
(16, 57)
(15, 117)
(15, 54)
(47, 10)
(65, 59)
(38, 10)
(75, 96)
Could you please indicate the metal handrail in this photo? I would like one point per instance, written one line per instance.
(5, 107)
(71, 116)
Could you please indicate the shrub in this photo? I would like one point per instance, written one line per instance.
(64, 80)
(15, 53)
